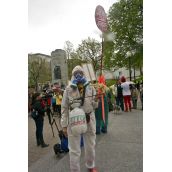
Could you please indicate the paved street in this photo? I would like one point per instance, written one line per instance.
(121, 150)
(35, 152)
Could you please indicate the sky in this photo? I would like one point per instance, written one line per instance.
(52, 22)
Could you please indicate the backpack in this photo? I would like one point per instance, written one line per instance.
(77, 121)
(63, 147)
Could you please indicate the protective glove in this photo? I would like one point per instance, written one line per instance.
(74, 83)
(83, 80)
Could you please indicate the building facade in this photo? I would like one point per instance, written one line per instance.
(117, 73)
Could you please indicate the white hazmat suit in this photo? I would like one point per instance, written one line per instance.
(89, 137)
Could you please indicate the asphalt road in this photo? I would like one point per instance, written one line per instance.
(120, 150)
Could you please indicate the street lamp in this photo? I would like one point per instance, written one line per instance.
(129, 58)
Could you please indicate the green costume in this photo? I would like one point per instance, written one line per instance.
(100, 125)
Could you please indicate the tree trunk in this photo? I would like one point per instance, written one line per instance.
(36, 86)
(130, 67)
(134, 73)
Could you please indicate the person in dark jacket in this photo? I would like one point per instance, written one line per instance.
(39, 120)
(119, 96)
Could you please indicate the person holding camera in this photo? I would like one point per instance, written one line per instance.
(38, 110)
(78, 118)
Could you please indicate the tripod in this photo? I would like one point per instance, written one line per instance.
(52, 120)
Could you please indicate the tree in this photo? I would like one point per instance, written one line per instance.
(90, 51)
(74, 61)
(108, 53)
(39, 70)
(125, 20)
(69, 48)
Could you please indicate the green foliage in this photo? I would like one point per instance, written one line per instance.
(90, 51)
(139, 80)
(39, 70)
(87, 52)
(74, 61)
(108, 53)
(69, 48)
(125, 21)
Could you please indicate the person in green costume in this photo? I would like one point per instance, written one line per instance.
(101, 126)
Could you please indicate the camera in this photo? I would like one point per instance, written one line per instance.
(47, 94)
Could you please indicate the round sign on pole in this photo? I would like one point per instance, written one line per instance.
(101, 19)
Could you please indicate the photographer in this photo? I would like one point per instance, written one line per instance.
(39, 110)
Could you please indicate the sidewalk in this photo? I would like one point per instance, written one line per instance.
(36, 152)
(120, 150)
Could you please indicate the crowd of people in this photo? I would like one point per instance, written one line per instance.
(126, 94)
(83, 109)
(41, 103)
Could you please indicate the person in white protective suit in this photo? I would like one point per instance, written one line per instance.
(73, 101)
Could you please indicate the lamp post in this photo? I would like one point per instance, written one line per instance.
(129, 62)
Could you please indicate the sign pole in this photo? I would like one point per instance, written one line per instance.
(101, 21)
(102, 56)
(102, 96)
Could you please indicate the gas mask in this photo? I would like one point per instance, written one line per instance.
(79, 78)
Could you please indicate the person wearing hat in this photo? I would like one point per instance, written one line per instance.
(39, 119)
(80, 88)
